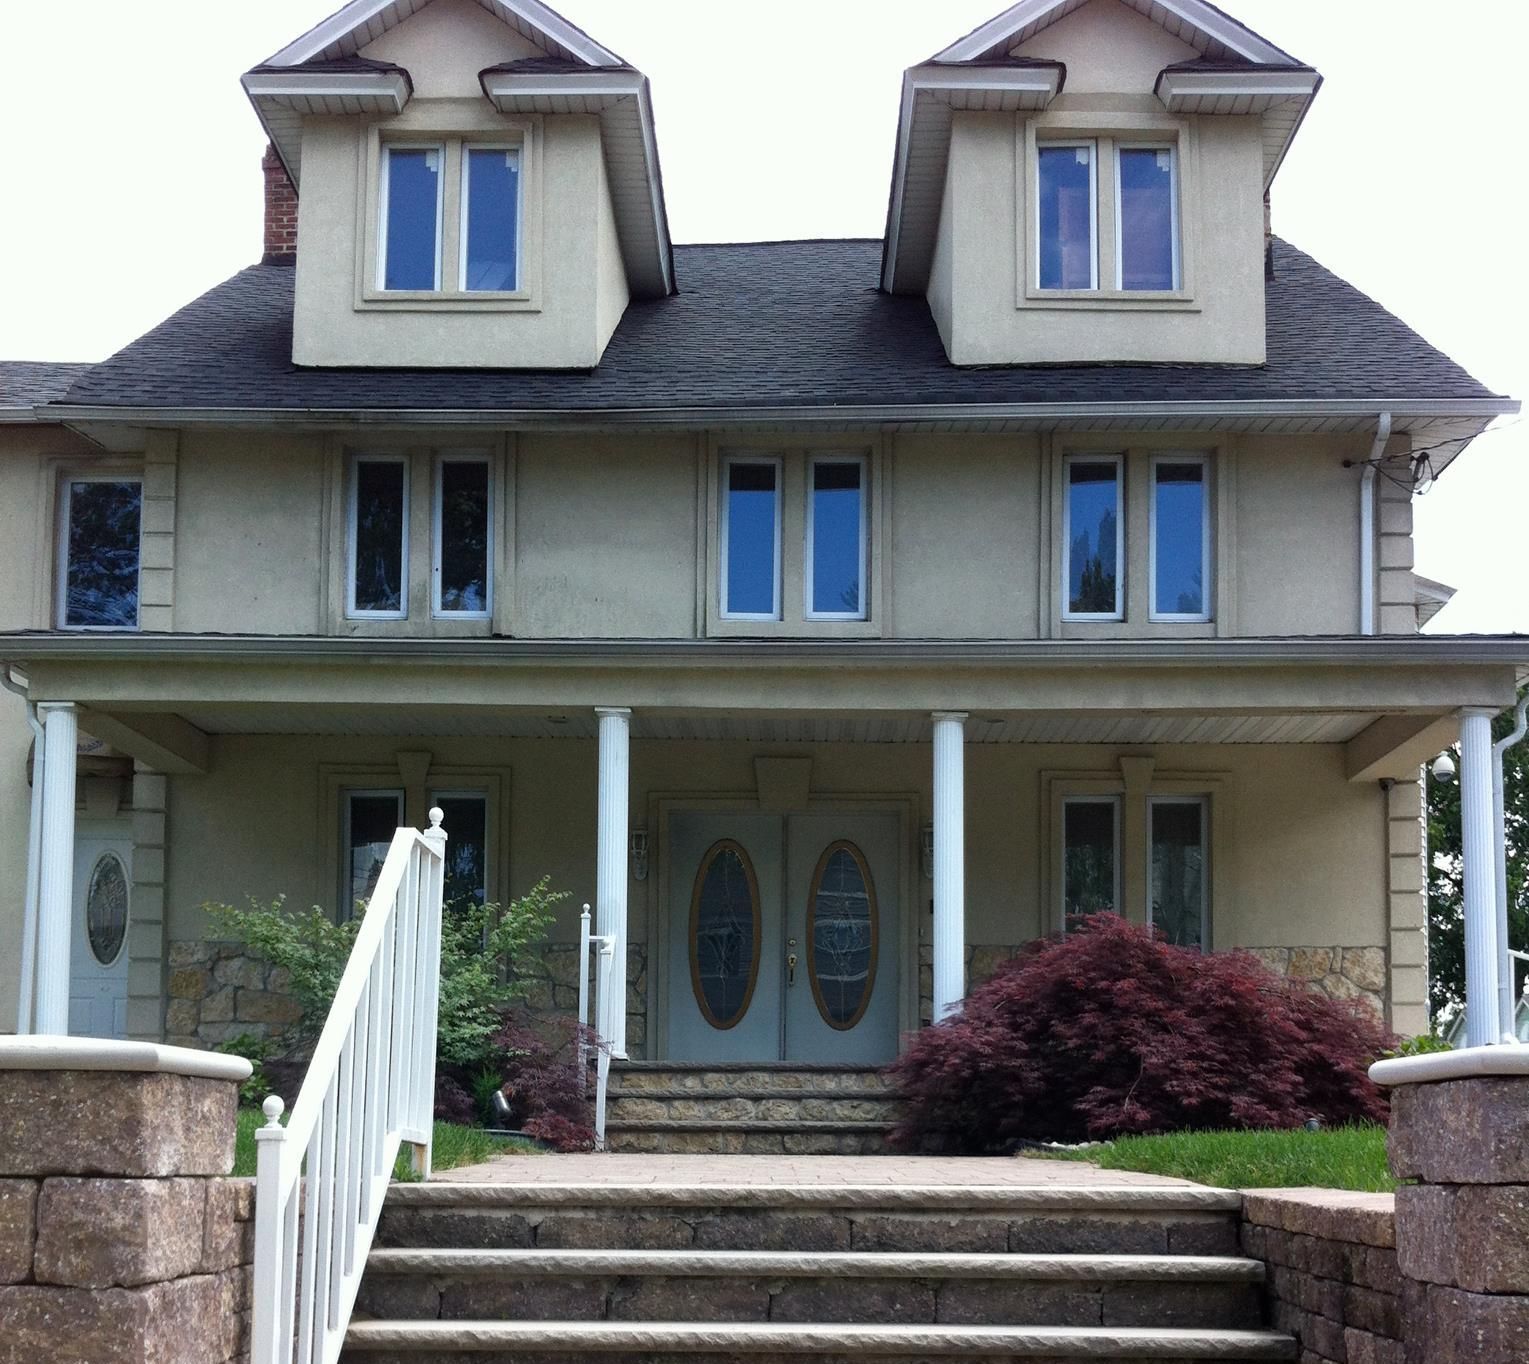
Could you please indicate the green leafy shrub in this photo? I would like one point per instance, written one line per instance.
(1423, 1044)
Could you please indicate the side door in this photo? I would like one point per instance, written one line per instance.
(843, 896)
(725, 937)
(103, 882)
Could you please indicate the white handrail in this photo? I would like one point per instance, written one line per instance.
(369, 1089)
(604, 1015)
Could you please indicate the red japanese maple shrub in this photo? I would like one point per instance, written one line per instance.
(1110, 1030)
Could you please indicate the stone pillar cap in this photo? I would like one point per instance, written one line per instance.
(1462, 1064)
(44, 1052)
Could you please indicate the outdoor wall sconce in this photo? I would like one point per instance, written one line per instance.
(639, 848)
(926, 850)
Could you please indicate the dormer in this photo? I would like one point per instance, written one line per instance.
(478, 186)
(1084, 182)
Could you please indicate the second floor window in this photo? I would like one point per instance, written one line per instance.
(836, 539)
(1180, 539)
(411, 217)
(491, 219)
(1146, 219)
(1066, 208)
(1094, 538)
(379, 538)
(751, 539)
(462, 569)
(102, 528)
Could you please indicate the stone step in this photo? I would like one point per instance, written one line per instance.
(382, 1342)
(852, 1105)
(790, 1077)
(744, 1286)
(749, 1136)
(1140, 1219)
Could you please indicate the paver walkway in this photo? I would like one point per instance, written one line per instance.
(863, 1171)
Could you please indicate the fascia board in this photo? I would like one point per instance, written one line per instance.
(1212, 84)
(389, 85)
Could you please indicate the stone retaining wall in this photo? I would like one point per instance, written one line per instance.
(1333, 1279)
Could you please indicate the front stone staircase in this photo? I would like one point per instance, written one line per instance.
(784, 1108)
(631, 1273)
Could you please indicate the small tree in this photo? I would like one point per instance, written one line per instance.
(1110, 1030)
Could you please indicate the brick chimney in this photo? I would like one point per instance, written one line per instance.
(280, 212)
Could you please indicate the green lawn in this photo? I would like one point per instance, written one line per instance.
(1334, 1158)
(452, 1146)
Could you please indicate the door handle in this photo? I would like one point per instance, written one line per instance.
(790, 963)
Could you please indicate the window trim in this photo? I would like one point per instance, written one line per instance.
(66, 506)
(437, 541)
(384, 191)
(466, 147)
(1124, 145)
(1047, 144)
(808, 613)
(1202, 802)
(352, 612)
(346, 910)
(728, 461)
(1207, 557)
(1118, 459)
(1116, 804)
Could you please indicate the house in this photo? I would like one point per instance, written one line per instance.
(836, 616)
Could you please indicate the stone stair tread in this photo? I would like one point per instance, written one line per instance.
(574, 1338)
(849, 1264)
(722, 1095)
(728, 1067)
(934, 1198)
(746, 1125)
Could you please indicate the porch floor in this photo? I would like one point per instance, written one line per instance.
(660, 1170)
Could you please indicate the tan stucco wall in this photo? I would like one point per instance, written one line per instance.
(981, 292)
(572, 273)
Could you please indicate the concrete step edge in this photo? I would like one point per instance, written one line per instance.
(744, 1125)
(1029, 1198)
(719, 1096)
(733, 1067)
(1080, 1342)
(1207, 1269)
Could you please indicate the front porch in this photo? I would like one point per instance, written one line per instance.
(1237, 794)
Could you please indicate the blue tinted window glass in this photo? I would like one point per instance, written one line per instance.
(1178, 871)
(1146, 218)
(1178, 510)
(752, 535)
(493, 209)
(1093, 509)
(412, 218)
(836, 516)
(101, 583)
(1065, 214)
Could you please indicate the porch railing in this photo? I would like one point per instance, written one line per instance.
(370, 1088)
(605, 946)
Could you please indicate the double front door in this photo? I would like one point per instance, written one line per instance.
(783, 937)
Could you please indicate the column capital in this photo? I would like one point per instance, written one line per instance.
(1478, 712)
(45, 707)
(959, 716)
(614, 712)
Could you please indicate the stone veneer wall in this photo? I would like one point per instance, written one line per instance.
(1342, 972)
(217, 990)
(1333, 1279)
(551, 978)
(121, 1239)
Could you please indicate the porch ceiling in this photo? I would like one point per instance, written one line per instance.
(1038, 728)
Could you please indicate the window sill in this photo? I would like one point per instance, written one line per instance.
(732, 628)
(1113, 300)
(443, 300)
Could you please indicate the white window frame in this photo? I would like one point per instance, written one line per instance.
(384, 189)
(1206, 557)
(352, 612)
(437, 539)
(465, 156)
(1173, 210)
(1203, 804)
(1074, 144)
(728, 461)
(1116, 805)
(808, 613)
(66, 509)
(347, 907)
(1118, 460)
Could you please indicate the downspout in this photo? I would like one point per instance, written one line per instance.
(1367, 526)
(24, 1009)
(1506, 1001)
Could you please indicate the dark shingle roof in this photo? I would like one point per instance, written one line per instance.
(784, 324)
(25, 382)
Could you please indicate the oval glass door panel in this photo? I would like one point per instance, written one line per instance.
(842, 935)
(106, 908)
(724, 934)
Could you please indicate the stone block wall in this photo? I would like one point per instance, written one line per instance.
(122, 1239)
(1333, 1281)
(217, 990)
(1342, 972)
(551, 978)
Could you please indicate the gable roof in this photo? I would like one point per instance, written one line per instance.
(787, 333)
(25, 383)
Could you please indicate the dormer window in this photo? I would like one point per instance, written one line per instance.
(449, 216)
(1067, 201)
(1147, 218)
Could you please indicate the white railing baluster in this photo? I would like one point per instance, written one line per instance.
(581, 1046)
(370, 1087)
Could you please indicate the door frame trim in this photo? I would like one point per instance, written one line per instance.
(660, 805)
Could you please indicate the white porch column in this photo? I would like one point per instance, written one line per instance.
(55, 900)
(1479, 858)
(610, 869)
(949, 932)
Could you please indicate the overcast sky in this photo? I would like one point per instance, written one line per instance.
(133, 182)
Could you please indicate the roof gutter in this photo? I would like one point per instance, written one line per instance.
(917, 414)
